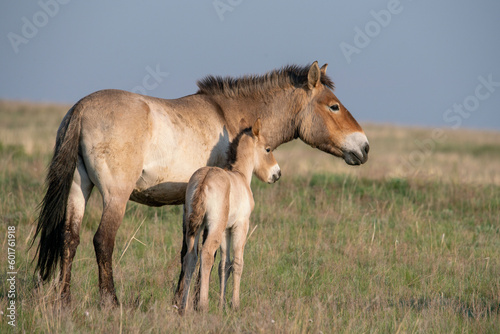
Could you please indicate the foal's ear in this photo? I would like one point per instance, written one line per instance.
(256, 128)
(314, 75)
(323, 69)
(243, 125)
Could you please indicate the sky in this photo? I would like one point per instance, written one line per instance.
(407, 62)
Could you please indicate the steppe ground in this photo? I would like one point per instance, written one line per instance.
(409, 242)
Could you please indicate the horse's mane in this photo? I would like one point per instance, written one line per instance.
(249, 85)
(233, 147)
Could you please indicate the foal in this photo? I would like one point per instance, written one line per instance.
(220, 201)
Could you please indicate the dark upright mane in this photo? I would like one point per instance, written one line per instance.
(248, 85)
(233, 147)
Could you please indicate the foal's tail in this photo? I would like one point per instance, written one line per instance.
(198, 207)
(52, 216)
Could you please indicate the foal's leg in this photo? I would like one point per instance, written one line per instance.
(206, 263)
(77, 200)
(239, 238)
(224, 266)
(216, 221)
(198, 278)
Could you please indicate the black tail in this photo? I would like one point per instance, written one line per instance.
(52, 216)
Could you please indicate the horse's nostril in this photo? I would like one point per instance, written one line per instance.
(367, 148)
(276, 176)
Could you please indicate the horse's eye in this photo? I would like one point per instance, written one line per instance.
(334, 107)
(268, 149)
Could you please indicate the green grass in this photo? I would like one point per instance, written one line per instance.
(328, 252)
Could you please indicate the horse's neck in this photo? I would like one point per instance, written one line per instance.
(277, 112)
(280, 123)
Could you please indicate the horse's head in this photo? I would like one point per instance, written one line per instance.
(265, 166)
(326, 124)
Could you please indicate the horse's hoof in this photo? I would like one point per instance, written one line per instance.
(109, 302)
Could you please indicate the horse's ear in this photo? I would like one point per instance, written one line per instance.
(243, 125)
(256, 128)
(314, 75)
(323, 69)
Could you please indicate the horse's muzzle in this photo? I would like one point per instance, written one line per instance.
(355, 149)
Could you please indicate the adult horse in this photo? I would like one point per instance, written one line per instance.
(145, 149)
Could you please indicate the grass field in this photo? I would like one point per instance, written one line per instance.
(409, 242)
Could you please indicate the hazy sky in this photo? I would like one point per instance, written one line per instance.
(420, 62)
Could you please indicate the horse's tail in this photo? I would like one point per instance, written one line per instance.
(198, 207)
(52, 216)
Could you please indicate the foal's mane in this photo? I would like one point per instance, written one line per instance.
(251, 85)
(233, 147)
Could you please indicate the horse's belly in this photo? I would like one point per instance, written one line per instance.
(173, 154)
(163, 180)
(163, 183)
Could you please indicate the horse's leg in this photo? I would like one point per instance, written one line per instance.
(179, 292)
(77, 200)
(116, 130)
(104, 242)
(239, 238)
(224, 266)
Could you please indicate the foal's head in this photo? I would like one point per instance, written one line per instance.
(250, 149)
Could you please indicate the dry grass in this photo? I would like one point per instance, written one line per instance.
(376, 248)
